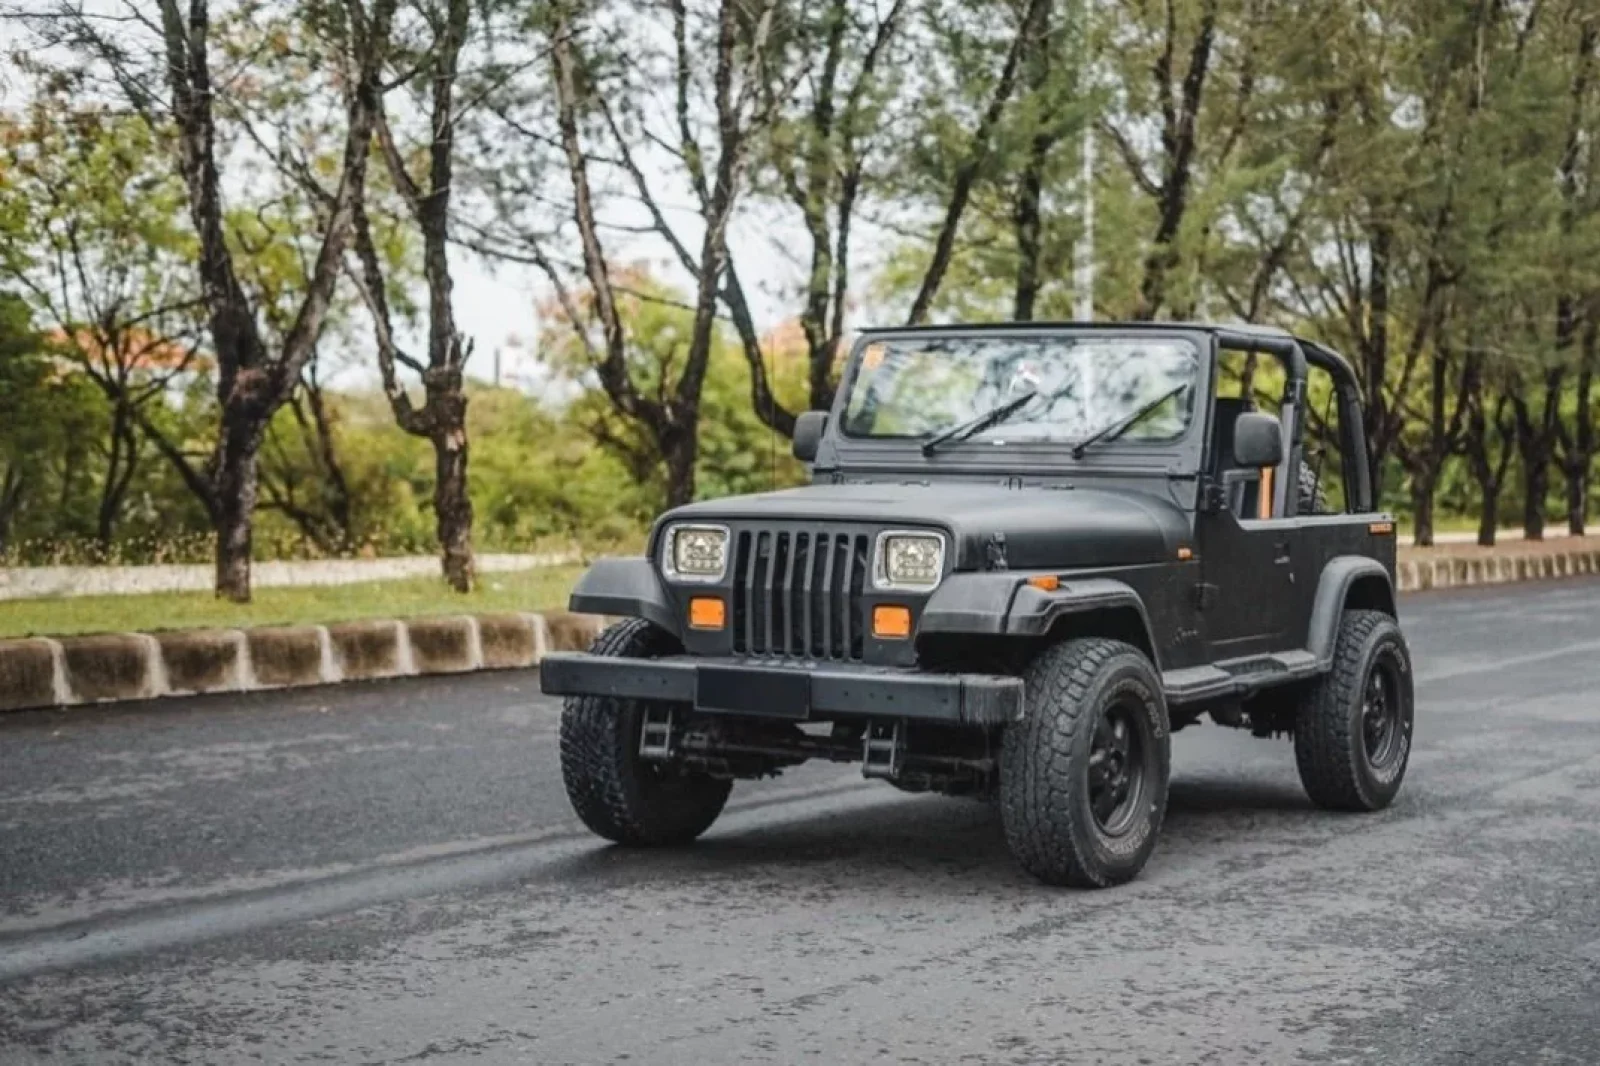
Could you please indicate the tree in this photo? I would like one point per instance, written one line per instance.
(253, 381)
(738, 452)
(602, 92)
(23, 379)
(103, 258)
(825, 132)
(303, 476)
(441, 418)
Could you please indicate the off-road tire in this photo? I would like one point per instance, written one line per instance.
(617, 794)
(1338, 767)
(1045, 803)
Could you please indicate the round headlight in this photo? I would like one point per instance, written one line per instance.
(908, 561)
(695, 553)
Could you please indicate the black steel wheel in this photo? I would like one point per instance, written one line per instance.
(1119, 773)
(617, 794)
(1353, 729)
(1385, 727)
(1083, 777)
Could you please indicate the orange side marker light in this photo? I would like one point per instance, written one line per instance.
(891, 622)
(1045, 582)
(707, 612)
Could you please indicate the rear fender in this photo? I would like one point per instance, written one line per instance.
(1347, 581)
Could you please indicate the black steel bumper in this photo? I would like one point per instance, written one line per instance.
(775, 690)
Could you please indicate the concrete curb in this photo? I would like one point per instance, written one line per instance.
(40, 672)
(115, 667)
(1421, 575)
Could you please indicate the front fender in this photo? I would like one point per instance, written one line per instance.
(1004, 603)
(625, 588)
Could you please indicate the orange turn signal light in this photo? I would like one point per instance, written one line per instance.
(707, 612)
(1045, 582)
(891, 622)
(1381, 529)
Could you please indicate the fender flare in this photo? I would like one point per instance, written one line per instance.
(625, 588)
(1333, 593)
(1003, 603)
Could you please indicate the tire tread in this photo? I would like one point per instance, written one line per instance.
(1038, 805)
(598, 740)
(1325, 749)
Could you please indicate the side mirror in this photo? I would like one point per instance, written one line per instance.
(808, 430)
(1257, 440)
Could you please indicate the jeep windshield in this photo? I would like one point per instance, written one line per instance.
(917, 388)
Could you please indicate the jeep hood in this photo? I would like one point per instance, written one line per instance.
(1043, 528)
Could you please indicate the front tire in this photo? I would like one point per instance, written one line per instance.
(618, 795)
(1083, 777)
(1352, 733)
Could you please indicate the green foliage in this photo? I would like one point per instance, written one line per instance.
(1449, 148)
(737, 452)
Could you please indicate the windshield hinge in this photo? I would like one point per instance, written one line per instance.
(1213, 496)
(995, 552)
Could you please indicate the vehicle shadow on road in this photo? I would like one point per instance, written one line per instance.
(915, 841)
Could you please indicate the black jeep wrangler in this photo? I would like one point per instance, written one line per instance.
(1028, 554)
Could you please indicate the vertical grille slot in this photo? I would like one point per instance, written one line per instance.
(852, 599)
(794, 637)
(798, 594)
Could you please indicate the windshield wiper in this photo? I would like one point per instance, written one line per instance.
(1111, 432)
(984, 421)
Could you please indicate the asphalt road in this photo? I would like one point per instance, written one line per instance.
(389, 873)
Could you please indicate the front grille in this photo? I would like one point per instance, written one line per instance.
(798, 594)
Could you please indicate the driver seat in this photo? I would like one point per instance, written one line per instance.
(1243, 484)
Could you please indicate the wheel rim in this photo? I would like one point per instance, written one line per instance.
(1383, 718)
(1117, 768)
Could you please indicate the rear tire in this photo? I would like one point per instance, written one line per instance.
(1083, 777)
(1352, 733)
(617, 794)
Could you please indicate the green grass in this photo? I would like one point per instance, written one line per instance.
(543, 589)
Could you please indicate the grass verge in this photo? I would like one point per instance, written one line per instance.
(543, 589)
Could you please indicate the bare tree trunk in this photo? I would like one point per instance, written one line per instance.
(681, 449)
(1537, 435)
(121, 466)
(1579, 460)
(1536, 477)
(1422, 491)
(1488, 468)
(11, 486)
(1489, 515)
(1026, 216)
(1178, 142)
(234, 502)
(452, 503)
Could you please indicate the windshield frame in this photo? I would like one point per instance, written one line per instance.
(986, 451)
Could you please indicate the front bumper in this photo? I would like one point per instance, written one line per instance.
(777, 689)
